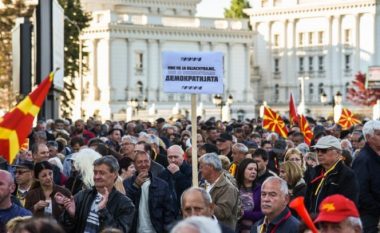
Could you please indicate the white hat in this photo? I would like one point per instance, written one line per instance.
(328, 142)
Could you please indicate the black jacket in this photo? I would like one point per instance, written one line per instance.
(161, 203)
(367, 168)
(118, 213)
(341, 180)
(283, 223)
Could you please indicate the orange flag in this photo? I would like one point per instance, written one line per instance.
(347, 119)
(16, 125)
(273, 122)
(305, 129)
(293, 116)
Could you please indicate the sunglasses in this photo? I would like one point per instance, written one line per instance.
(323, 151)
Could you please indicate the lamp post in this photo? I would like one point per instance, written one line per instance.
(302, 107)
(137, 105)
(220, 102)
(336, 103)
(75, 24)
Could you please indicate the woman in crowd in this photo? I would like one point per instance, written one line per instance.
(295, 155)
(127, 168)
(40, 199)
(250, 194)
(292, 173)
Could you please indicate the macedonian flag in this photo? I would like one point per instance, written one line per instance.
(273, 122)
(305, 129)
(16, 124)
(347, 119)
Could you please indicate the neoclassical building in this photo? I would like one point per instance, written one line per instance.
(125, 41)
(322, 42)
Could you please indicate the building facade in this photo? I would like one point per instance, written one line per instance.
(322, 43)
(125, 41)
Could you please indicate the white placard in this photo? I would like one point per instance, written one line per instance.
(193, 72)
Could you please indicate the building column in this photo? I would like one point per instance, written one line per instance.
(229, 65)
(95, 84)
(131, 69)
(336, 62)
(376, 23)
(152, 80)
(247, 73)
(356, 43)
(269, 96)
(291, 55)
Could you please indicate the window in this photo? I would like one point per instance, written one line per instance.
(300, 38)
(320, 37)
(276, 92)
(347, 36)
(310, 38)
(139, 59)
(347, 62)
(276, 65)
(301, 68)
(320, 63)
(320, 89)
(311, 61)
(275, 39)
(311, 91)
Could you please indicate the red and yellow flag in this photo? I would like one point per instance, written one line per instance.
(273, 122)
(305, 129)
(347, 119)
(16, 124)
(293, 116)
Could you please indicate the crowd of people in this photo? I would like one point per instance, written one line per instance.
(92, 176)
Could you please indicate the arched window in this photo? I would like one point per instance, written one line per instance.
(311, 92)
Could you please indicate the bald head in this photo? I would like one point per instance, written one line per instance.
(175, 155)
(196, 202)
(7, 187)
(6, 177)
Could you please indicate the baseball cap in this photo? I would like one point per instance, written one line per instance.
(224, 137)
(328, 142)
(24, 164)
(336, 208)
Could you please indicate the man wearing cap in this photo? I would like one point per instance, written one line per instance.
(338, 214)
(239, 151)
(331, 176)
(367, 168)
(24, 179)
(177, 174)
(224, 145)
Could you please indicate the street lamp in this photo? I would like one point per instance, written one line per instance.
(137, 105)
(336, 102)
(302, 107)
(220, 102)
(75, 24)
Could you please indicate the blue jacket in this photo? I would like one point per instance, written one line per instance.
(161, 203)
(178, 182)
(367, 168)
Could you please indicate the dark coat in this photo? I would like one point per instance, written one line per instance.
(283, 223)
(178, 182)
(37, 194)
(117, 214)
(341, 180)
(367, 168)
(161, 203)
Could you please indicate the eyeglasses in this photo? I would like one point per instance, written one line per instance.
(323, 151)
(21, 171)
(294, 159)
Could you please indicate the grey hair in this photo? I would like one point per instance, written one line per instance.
(213, 160)
(370, 127)
(241, 148)
(110, 161)
(154, 139)
(283, 185)
(129, 138)
(354, 221)
(200, 223)
(205, 195)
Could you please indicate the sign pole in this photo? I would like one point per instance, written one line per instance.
(194, 148)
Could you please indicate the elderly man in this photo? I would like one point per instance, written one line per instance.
(223, 193)
(8, 210)
(24, 179)
(367, 168)
(239, 150)
(151, 196)
(127, 146)
(338, 214)
(331, 176)
(274, 201)
(197, 202)
(177, 174)
(93, 210)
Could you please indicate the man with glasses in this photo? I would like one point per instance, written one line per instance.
(24, 179)
(331, 176)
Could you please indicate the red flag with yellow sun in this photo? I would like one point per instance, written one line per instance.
(305, 129)
(273, 122)
(347, 119)
(16, 125)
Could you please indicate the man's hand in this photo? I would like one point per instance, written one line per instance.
(103, 202)
(173, 168)
(68, 203)
(141, 178)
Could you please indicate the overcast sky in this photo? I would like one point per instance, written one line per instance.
(212, 8)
